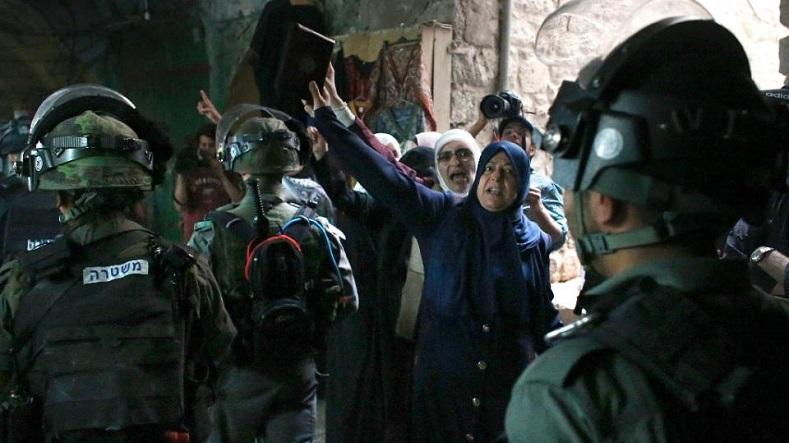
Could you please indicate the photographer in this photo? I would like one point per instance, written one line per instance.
(544, 204)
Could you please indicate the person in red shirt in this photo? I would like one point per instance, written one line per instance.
(201, 183)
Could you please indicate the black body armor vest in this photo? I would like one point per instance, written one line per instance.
(102, 340)
(30, 220)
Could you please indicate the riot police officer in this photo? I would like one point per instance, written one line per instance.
(110, 333)
(268, 390)
(661, 145)
(27, 221)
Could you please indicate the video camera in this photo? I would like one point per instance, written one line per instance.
(504, 104)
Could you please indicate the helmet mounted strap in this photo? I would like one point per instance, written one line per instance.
(598, 243)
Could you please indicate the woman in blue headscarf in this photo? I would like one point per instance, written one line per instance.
(485, 305)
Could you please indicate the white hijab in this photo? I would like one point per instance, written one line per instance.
(455, 135)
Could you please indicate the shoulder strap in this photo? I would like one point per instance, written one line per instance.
(564, 360)
(307, 210)
(173, 256)
(673, 340)
(175, 260)
(44, 262)
(299, 226)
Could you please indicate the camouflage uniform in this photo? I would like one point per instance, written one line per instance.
(274, 400)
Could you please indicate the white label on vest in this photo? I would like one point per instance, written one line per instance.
(32, 245)
(103, 274)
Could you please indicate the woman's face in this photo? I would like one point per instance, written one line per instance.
(457, 166)
(498, 185)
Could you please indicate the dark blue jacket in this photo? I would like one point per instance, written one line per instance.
(486, 300)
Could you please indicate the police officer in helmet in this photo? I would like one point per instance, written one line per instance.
(660, 146)
(267, 390)
(27, 220)
(110, 333)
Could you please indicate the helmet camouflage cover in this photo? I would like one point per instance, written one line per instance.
(113, 169)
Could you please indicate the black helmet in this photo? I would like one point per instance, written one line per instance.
(246, 128)
(670, 120)
(89, 136)
(14, 134)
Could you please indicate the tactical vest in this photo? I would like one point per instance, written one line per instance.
(30, 221)
(102, 339)
(719, 360)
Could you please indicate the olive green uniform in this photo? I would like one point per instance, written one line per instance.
(583, 390)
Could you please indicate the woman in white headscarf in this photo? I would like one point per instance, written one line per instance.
(457, 154)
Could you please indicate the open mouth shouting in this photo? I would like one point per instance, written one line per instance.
(457, 166)
(498, 184)
(461, 180)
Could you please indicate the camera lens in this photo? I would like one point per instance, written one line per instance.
(494, 106)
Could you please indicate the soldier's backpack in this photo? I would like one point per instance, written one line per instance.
(282, 307)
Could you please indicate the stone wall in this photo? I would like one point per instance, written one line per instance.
(475, 64)
(228, 26)
(756, 23)
(475, 48)
(783, 51)
(475, 74)
(348, 16)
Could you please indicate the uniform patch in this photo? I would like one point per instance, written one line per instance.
(32, 245)
(103, 274)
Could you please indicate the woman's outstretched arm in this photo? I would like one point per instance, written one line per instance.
(415, 205)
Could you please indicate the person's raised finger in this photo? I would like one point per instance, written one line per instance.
(318, 100)
(308, 108)
(330, 73)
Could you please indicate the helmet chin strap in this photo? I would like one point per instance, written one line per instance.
(590, 244)
(85, 203)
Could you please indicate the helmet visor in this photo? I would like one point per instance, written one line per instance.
(234, 117)
(66, 95)
(582, 31)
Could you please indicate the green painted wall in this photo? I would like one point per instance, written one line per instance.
(161, 68)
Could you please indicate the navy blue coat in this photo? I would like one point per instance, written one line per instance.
(486, 299)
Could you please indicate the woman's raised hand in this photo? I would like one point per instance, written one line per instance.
(335, 101)
(320, 96)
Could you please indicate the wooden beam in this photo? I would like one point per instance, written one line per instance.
(442, 75)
